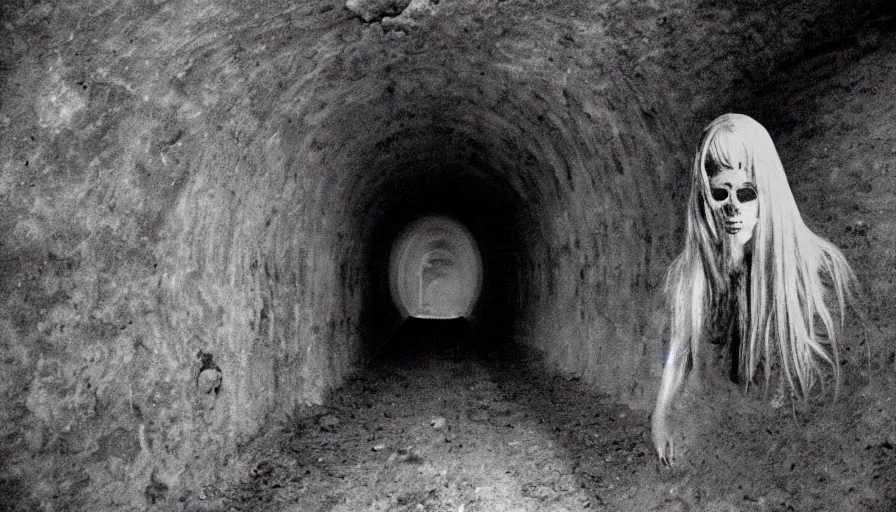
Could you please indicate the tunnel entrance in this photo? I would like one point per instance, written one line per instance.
(435, 270)
(446, 246)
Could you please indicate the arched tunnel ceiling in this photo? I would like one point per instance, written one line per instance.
(216, 185)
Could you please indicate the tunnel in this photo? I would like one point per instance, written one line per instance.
(435, 270)
(199, 202)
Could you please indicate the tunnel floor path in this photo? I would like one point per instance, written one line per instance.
(464, 433)
(450, 432)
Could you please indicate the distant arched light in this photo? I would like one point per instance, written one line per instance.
(435, 269)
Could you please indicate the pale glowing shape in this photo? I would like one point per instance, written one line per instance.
(435, 270)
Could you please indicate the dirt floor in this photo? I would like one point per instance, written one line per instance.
(460, 431)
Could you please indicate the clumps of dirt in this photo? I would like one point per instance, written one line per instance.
(375, 10)
(458, 432)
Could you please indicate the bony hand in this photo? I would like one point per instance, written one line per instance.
(662, 437)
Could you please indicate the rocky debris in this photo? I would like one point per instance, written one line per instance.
(203, 504)
(407, 456)
(376, 10)
(418, 8)
(478, 415)
(296, 444)
(328, 422)
(568, 449)
(209, 380)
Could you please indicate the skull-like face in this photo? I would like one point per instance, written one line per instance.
(734, 200)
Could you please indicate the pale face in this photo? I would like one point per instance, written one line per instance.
(733, 197)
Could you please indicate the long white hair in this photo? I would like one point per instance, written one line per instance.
(784, 322)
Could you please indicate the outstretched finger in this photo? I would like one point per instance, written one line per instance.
(666, 452)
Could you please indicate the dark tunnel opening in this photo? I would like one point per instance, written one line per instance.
(495, 215)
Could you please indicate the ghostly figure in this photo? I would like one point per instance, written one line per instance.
(751, 273)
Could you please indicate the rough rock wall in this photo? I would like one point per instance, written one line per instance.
(189, 190)
(837, 140)
(153, 229)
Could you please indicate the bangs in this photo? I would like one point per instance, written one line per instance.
(727, 149)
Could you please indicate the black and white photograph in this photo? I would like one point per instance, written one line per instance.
(448, 255)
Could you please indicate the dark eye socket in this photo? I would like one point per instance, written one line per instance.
(746, 194)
